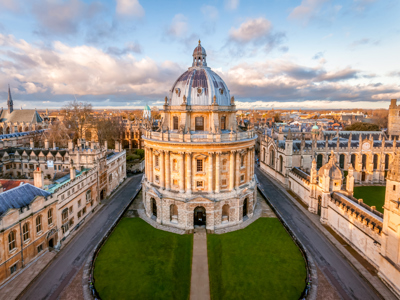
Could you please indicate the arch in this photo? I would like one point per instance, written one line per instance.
(125, 144)
(280, 164)
(225, 214)
(102, 194)
(341, 161)
(245, 207)
(353, 160)
(25, 232)
(319, 206)
(11, 241)
(153, 204)
(7, 130)
(20, 129)
(376, 159)
(272, 157)
(320, 158)
(199, 215)
(387, 158)
(1, 129)
(199, 124)
(364, 161)
(173, 213)
(26, 129)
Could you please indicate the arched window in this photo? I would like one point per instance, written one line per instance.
(11, 241)
(319, 161)
(225, 213)
(25, 232)
(341, 161)
(353, 160)
(245, 203)
(173, 213)
(272, 158)
(386, 161)
(176, 123)
(280, 164)
(50, 217)
(376, 161)
(199, 124)
(110, 178)
(223, 123)
(364, 161)
(38, 224)
(88, 195)
(241, 161)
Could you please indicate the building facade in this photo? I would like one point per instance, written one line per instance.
(199, 162)
(394, 118)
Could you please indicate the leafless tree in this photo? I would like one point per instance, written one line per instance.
(78, 116)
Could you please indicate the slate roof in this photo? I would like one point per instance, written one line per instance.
(24, 115)
(19, 134)
(19, 197)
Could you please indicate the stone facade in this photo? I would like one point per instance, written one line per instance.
(394, 118)
(199, 163)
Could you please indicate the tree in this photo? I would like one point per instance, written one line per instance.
(78, 116)
(58, 133)
(359, 126)
(108, 129)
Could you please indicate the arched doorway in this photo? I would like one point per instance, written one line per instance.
(319, 205)
(51, 243)
(102, 194)
(225, 214)
(154, 207)
(199, 216)
(245, 203)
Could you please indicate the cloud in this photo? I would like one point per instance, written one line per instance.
(11, 5)
(364, 41)
(130, 8)
(62, 17)
(256, 32)
(306, 10)
(318, 55)
(178, 27)
(54, 73)
(129, 48)
(210, 12)
(231, 4)
(361, 5)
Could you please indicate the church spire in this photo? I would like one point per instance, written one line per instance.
(9, 101)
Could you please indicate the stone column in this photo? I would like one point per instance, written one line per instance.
(210, 172)
(167, 171)
(237, 170)
(217, 171)
(182, 173)
(130, 144)
(248, 167)
(189, 172)
(146, 161)
(151, 165)
(232, 170)
(162, 169)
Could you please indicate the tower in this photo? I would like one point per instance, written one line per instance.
(9, 101)
(394, 118)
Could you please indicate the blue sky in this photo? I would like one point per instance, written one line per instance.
(126, 53)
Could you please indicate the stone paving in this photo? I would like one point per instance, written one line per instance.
(12, 288)
(200, 283)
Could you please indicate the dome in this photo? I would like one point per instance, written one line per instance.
(334, 171)
(315, 127)
(147, 107)
(147, 112)
(199, 84)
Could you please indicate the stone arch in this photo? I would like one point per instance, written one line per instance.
(342, 159)
(387, 160)
(199, 215)
(320, 160)
(246, 207)
(26, 129)
(364, 161)
(376, 161)
(281, 163)
(7, 130)
(20, 129)
(173, 213)
(271, 157)
(125, 144)
(225, 214)
(1, 129)
(353, 160)
(153, 207)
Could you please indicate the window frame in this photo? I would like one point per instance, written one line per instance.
(38, 223)
(25, 232)
(199, 165)
(199, 123)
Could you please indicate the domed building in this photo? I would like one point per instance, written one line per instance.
(199, 163)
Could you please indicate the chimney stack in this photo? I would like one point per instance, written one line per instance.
(72, 172)
(70, 145)
(31, 143)
(117, 146)
(46, 144)
(38, 178)
(106, 145)
(54, 145)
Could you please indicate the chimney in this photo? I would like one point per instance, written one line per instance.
(72, 172)
(106, 145)
(117, 146)
(32, 144)
(38, 178)
(46, 144)
(87, 144)
(70, 145)
(54, 145)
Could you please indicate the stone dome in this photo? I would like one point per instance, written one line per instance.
(334, 171)
(199, 84)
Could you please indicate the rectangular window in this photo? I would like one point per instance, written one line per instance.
(223, 182)
(199, 123)
(79, 214)
(84, 210)
(157, 178)
(13, 269)
(176, 123)
(394, 188)
(223, 123)
(200, 184)
(241, 178)
(175, 182)
(40, 248)
(71, 209)
(157, 161)
(199, 165)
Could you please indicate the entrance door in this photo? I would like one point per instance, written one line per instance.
(363, 176)
(319, 206)
(154, 208)
(245, 207)
(102, 195)
(199, 216)
(51, 243)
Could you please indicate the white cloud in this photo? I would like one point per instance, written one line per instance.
(211, 12)
(178, 26)
(11, 5)
(231, 4)
(130, 8)
(306, 10)
(251, 30)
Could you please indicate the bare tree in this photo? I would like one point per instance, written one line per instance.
(78, 116)
(58, 133)
(108, 128)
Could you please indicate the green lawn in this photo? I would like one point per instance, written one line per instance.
(371, 195)
(141, 262)
(258, 262)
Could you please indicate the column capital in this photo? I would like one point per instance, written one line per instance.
(211, 152)
(218, 152)
(181, 152)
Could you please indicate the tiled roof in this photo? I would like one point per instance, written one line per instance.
(19, 197)
(10, 184)
(24, 115)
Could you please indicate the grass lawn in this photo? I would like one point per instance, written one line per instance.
(258, 262)
(141, 262)
(371, 195)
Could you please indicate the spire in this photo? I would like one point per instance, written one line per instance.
(9, 101)
(289, 135)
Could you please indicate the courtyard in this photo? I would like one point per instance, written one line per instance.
(141, 262)
(258, 262)
(371, 195)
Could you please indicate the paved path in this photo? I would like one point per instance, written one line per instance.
(69, 261)
(200, 283)
(348, 283)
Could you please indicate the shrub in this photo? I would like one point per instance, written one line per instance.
(140, 152)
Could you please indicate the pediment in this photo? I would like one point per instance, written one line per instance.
(200, 156)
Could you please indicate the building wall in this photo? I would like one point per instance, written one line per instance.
(394, 118)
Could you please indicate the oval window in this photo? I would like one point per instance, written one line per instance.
(199, 90)
(221, 91)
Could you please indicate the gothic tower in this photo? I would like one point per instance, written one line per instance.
(9, 101)
(394, 118)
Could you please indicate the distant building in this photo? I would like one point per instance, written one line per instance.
(394, 118)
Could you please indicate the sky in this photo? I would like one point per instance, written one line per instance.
(124, 54)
